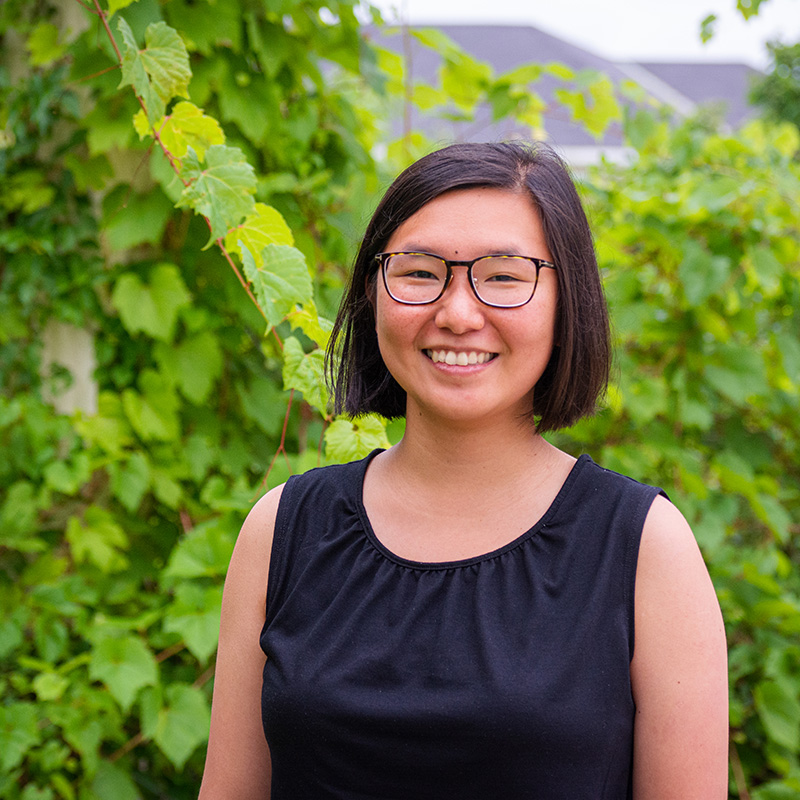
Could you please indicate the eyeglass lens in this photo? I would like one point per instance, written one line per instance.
(498, 280)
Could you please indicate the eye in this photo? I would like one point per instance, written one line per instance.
(504, 270)
(500, 277)
(419, 274)
(415, 267)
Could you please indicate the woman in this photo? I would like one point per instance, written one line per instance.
(454, 617)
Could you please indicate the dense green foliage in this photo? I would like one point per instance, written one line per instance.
(700, 245)
(779, 90)
(252, 156)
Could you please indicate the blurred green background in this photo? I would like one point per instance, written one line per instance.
(147, 401)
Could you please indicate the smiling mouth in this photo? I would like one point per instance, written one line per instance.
(458, 359)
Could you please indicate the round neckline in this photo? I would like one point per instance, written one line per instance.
(376, 543)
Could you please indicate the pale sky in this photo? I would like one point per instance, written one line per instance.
(655, 30)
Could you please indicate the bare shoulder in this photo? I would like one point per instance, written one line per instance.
(679, 667)
(249, 566)
(673, 588)
(258, 529)
(238, 761)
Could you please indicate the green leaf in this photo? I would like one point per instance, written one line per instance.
(108, 429)
(317, 328)
(263, 227)
(740, 376)
(92, 172)
(701, 273)
(18, 513)
(134, 219)
(789, 348)
(768, 270)
(50, 686)
(203, 552)
(351, 439)
(159, 72)
(153, 413)
(67, 477)
(597, 110)
(182, 725)
(748, 8)
(184, 127)
(194, 365)
(113, 783)
(770, 511)
(51, 637)
(26, 191)
(19, 731)
(780, 713)
(11, 632)
(117, 5)
(130, 481)
(153, 308)
(194, 615)
(44, 45)
(707, 28)
(712, 194)
(305, 372)
(125, 665)
(166, 488)
(524, 75)
(561, 71)
(281, 283)
(464, 79)
(221, 190)
(97, 539)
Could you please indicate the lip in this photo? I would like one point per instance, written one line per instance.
(458, 357)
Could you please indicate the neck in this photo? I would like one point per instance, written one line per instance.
(443, 454)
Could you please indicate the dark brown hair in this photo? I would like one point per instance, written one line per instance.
(577, 372)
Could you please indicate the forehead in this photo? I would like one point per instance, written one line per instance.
(467, 223)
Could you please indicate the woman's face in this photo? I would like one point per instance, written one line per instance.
(506, 349)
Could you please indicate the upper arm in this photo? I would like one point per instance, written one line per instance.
(237, 764)
(679, 668)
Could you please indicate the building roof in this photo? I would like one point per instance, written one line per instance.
(683, 87)
(710, 83)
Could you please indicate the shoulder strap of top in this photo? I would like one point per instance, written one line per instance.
(614, 507)
(306, 500)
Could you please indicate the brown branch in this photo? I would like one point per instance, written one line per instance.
(102, 71)
(738, 771)
(104, 19)
(233, 266)
(205, 677)
(186, 520)
(133, 742)
(281, 447)
(170, 651)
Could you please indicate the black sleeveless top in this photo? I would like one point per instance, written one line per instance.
(506, 675)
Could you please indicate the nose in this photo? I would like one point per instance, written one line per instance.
(458, 309)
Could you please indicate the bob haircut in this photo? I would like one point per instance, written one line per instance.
(578, 370)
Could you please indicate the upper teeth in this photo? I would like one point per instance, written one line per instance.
(460, 359)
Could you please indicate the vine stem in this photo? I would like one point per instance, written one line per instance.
(738, 772)
(239, 275)
(131, 744)
(173, 162)
(280, 449)
(104, 19)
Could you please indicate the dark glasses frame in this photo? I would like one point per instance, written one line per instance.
(538, 263)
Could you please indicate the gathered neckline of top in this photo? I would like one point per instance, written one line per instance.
(376, 543)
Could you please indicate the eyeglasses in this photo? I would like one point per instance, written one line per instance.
(500, 281)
